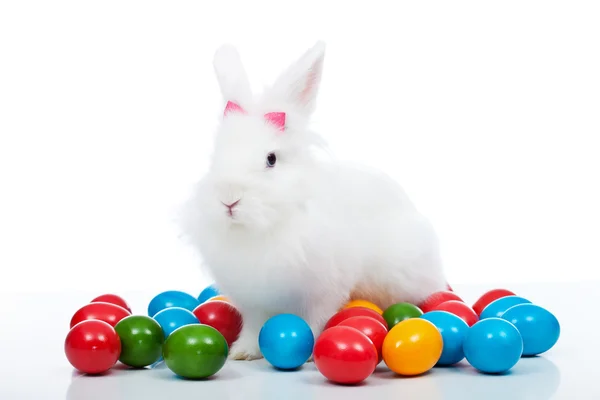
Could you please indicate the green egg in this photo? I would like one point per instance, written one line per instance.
(142, 339)
(195, 351)
(397, 313)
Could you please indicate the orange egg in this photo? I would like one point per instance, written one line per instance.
(219, 298)
(364, 303)
(412, 347)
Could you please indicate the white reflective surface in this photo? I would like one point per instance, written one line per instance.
(34, 366)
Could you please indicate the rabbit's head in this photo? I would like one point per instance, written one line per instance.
(262, 165)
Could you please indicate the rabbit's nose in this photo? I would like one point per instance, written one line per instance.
(230, 194)
(231, 205)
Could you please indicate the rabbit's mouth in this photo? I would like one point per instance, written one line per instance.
(231, 207)
(232, 213)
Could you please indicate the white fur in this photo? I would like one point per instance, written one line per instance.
(310, 233)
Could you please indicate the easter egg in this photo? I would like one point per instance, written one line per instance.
(453, 330)
(538, 327)
(497, 307)
(353, 312)
(459, 309)
(488, 297)
(142, 339)
(222, 316)
(493, 345)
(373, 329)
(437, 298)
(286, 341)
(107, 312)
(112, 299)
(172, 318)
(399, 312)
(172, 298)
(220, 298)
(92, 346)
(412, 347)
(207, 293)
(195, 351)
(345, 355)
(364, 303)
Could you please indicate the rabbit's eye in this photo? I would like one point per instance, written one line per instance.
(271, 160)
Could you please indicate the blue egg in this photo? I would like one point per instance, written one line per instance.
(453, 330)
(286, 341)
(493, 345)
(207, 293)
(172, 298)
(497, 307)
(538, 327)
(174, 317)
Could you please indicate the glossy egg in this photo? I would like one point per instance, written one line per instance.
(172, 318)
(459, 309)
(207, 293)
(538, 327)
(364, 303)
(497, 307)
(345, 355)
(286, 341)
(353, 312)
(195, 352)
(399, 312)
(488, 297)
(107, 312)
(372, 328)
(453, 330)
(438, 298)
(92, 346)
(222, 316)
(142, 339)
(112, 299)
(172, 298)
(220, 298)
(493, 345)
(412, 347)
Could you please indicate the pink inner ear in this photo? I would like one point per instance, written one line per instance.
(233, 107)
(277, 119)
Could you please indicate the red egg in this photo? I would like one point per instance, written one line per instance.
(112, 299)
(373, 329)
(459, 309)
(345, 355)
(437, 298)
(353, 312)
(92, 347)
(489, 297)
(107, 312)
(222, 316)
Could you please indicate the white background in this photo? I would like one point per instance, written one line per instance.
(488, 114)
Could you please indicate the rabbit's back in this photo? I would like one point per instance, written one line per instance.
(374, 236)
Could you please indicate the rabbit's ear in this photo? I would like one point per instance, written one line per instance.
(299, 84)
(231, 75)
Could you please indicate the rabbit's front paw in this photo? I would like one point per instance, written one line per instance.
(245, 348)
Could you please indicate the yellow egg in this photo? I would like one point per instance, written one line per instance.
(220, 298)
(364, 303)
(412, 347)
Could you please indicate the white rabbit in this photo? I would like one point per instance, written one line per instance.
(282, 230)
